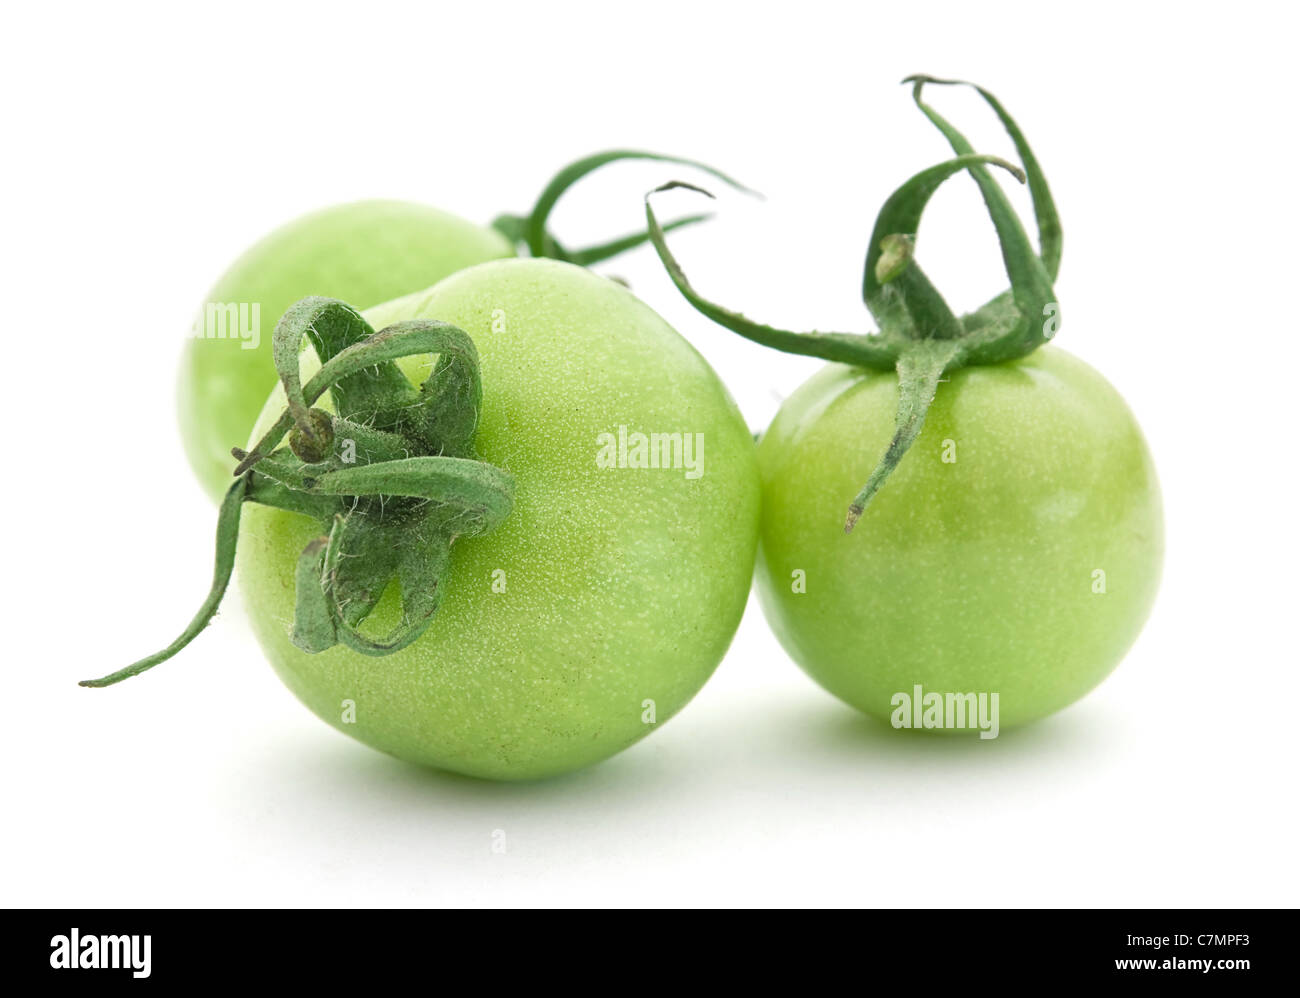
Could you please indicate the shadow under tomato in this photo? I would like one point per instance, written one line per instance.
(352, 768)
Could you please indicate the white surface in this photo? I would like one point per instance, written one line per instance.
(145, 149)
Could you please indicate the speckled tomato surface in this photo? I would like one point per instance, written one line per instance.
(609, 594)
(1015, 550)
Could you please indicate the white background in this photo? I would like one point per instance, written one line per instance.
(145, 147)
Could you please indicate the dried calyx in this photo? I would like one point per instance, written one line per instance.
(920, 337)
(391, 475)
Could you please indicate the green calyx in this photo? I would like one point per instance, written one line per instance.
(392, 477)
(919, 336)
(529, 232)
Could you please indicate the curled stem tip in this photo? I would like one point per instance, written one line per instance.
(532, 233)
(674, 185)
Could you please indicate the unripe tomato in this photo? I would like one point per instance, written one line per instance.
(1016, 549)
(609, 594)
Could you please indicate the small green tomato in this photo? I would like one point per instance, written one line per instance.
(595, 478)
(1005, 549)
(1016, 548)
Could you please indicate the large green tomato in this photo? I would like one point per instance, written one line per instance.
(364, 253)
(611, 591)
(1015, 550)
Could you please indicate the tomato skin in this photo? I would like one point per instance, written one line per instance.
(364, 253)
(969, 576)
(622, 585)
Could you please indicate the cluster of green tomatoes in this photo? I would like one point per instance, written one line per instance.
(491, 514)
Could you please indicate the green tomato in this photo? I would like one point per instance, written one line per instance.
(1016, 548)
(609, 594)
(363, 253)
